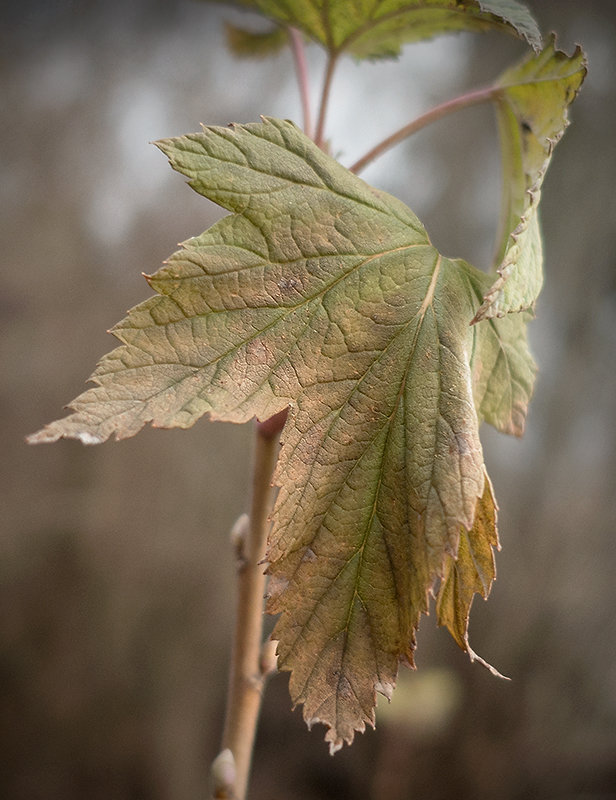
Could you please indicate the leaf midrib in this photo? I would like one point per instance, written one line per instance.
(359, 551)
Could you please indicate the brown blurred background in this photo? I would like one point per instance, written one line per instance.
(116, 578)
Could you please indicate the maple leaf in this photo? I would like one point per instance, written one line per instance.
(321, 293)
(532, 112)
(379, 29)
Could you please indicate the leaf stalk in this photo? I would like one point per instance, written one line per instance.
(449, 107)
(319, 137)
(301, 69)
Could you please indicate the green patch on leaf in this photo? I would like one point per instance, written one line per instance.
(503, 369)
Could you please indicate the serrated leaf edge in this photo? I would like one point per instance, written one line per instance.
(487, 309)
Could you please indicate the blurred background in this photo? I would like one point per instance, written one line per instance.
(116, 578)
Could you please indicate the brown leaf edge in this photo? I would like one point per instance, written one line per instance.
(471, 571)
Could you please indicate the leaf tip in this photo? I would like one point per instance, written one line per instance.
(164, 145)
(386, 689)
(334, 747)
(337, 740)
(50, 434)
(40, 437)
(474, 657)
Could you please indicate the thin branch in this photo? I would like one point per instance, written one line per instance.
(463, 101)
(301, 68)
(249, 667)
(319, 136)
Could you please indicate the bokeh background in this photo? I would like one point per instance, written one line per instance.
(116, 578)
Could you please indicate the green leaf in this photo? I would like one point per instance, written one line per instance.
(321, 293)
(503, 368)
(255, 44)
(376, 29)
(532, 112)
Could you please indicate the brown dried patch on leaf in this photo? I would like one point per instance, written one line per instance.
(469, 573)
